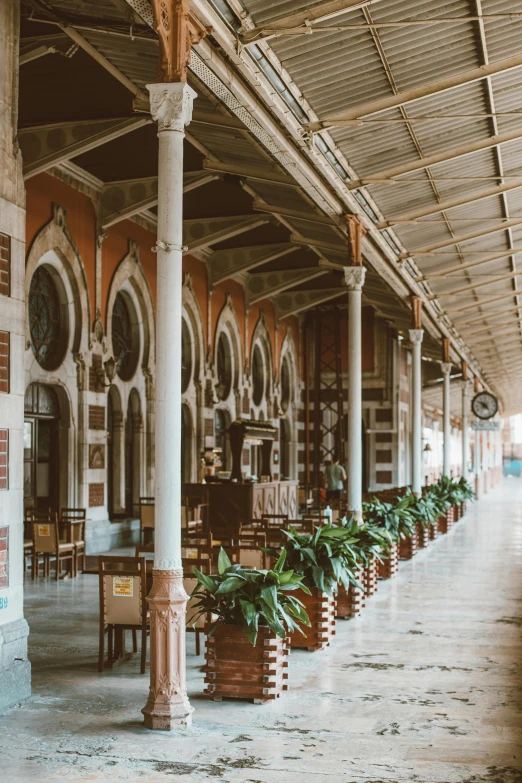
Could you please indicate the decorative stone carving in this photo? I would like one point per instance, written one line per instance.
(416, 335)
(97, 327)
(354, 277)
(171, 105)
(80, 371)
(96, 455)
(167, 705)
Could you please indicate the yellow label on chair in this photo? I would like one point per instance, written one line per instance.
(44, 530)
(123, 586)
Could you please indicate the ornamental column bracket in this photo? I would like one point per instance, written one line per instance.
(356, 232)
(177, 30)
(416, 336)
(354, 277)
(446, 368)
(171, 105)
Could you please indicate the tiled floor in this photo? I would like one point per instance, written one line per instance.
(425, 686)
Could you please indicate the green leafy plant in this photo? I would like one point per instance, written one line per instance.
(328, 556)
(250, 598)
(394, 517)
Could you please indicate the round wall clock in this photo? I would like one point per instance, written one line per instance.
(484, 405)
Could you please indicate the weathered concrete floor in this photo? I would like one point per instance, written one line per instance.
(424, 686)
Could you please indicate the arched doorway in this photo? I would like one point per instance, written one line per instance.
(41, 447)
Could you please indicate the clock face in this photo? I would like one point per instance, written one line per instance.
(484, 405)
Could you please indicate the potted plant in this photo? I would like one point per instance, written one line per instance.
(465, 493)
(371, 544)
(252, 614)
(424, 511)
(325, 559)
(395, 519)
(442, 493)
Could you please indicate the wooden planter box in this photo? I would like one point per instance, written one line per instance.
(463, 508)
(408, 546)
(321, 611)
(457, 512)
(433, 531)
(423, 535)
(370, 577)
(390, 566)
(350, 603)
(239, 670)
(445, 522)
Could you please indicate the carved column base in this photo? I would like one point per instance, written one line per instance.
(168, 705)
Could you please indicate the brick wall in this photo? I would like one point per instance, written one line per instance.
(4, 362)
(5, 263)
(4, 557)
(4, 459)
(96, 495)
(96, 417)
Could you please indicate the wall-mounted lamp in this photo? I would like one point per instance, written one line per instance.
(110, 367)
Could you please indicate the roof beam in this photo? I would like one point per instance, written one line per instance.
(416, 93)
(484, 316)
(411, 217)
(490, 328)
(469, 265)
(293, 302)
(47, 145)
(105, 63)
(439, 157)
(227, 263)
(250, 172)
(299, 239)
(314, 13)
(427, 250)
(266, 284)
(482, 302)
(35, 52)
(124, 199)
(311, 217)
(202, 232)
(472, 286)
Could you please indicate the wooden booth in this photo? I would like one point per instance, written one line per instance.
(240, 498)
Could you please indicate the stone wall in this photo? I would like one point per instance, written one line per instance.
(14, 668)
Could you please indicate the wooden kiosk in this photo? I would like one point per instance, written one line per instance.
(238, 499)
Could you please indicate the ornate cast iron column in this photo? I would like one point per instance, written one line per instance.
(446, 407)
(465, 422)
(416, 335)
(354, 280)
(171, 107)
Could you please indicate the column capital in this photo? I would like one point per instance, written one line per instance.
(171, 105)
(416, 335)
(446, 368)
(354, 277)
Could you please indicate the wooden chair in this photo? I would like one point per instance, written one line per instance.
(47, 544)
(147, 508)
(249, 556)
(304, 525)
(72, 525)
(275, 520)
(123, 607)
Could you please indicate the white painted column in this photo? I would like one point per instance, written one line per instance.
(354, 280)
(171, 107)
(416, 336)
(168, 705)
(446, 420)
(478, 471)
(465, 428)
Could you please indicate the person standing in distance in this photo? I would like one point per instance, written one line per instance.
(335, 476)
